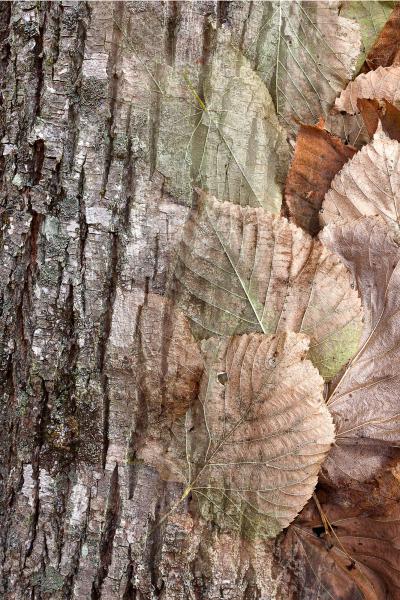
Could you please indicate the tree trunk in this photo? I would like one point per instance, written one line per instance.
(89, 227)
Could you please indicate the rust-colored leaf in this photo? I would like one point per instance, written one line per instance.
(347, 546)
(386, 50)
(258, 435)
(318, 157)
(375, 111)
(384, 83)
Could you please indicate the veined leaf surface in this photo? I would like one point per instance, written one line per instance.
(371, 16)
(384, 83)
(368, 184)
(318, 157)
(305, 52)
(364, 403)
(240, 270)
(257, 436)
(230, 142)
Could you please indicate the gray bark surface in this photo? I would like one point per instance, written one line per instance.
(88, 230)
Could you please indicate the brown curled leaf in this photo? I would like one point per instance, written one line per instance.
(258, 435)
(386, 50)
(349, 128)
(348, 544)
(318, 157)
(375, 111)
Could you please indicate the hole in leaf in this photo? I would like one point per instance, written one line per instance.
(222, 378)
(319, 530)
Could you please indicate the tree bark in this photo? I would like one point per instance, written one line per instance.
(89, 227)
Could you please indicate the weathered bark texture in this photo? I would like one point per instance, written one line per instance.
(88, 230)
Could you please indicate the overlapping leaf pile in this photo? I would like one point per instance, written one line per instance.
(347, 539)
(266, 308)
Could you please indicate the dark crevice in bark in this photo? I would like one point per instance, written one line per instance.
(68, 587)
(38, 441)
(5, 16)
(7, 492)
(56, 13)
(130, 591)
(141, 417)
(63, 492)
(222, 12)
(112, 278)
(56, 191)
(38, 158)
(83, 232)
(199, 138)
(244, 28)
(171, 31)
(155, 539)
(23, 311)
(76, 55)
(167, 336)
(130, 172)
(107, 535)
(155, 107)
(113, 92)
(39, 66)
(106, 419)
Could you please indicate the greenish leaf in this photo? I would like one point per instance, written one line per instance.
(365, 400)
(241, 269)
(230, 143)
(371, 17)
(305, 52)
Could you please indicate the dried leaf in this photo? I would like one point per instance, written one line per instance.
(241, 270)
(168, 365)
(368, 184)
(371, 16)
(256, 439)
(348, 124)
(318, 157)
(353, 552)
(349, 128)
(246, 155)
(364, 403)
(305, 52)
(384, 83)
(168, 360)
(386, 50)
(230, 143)
(374, 112)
